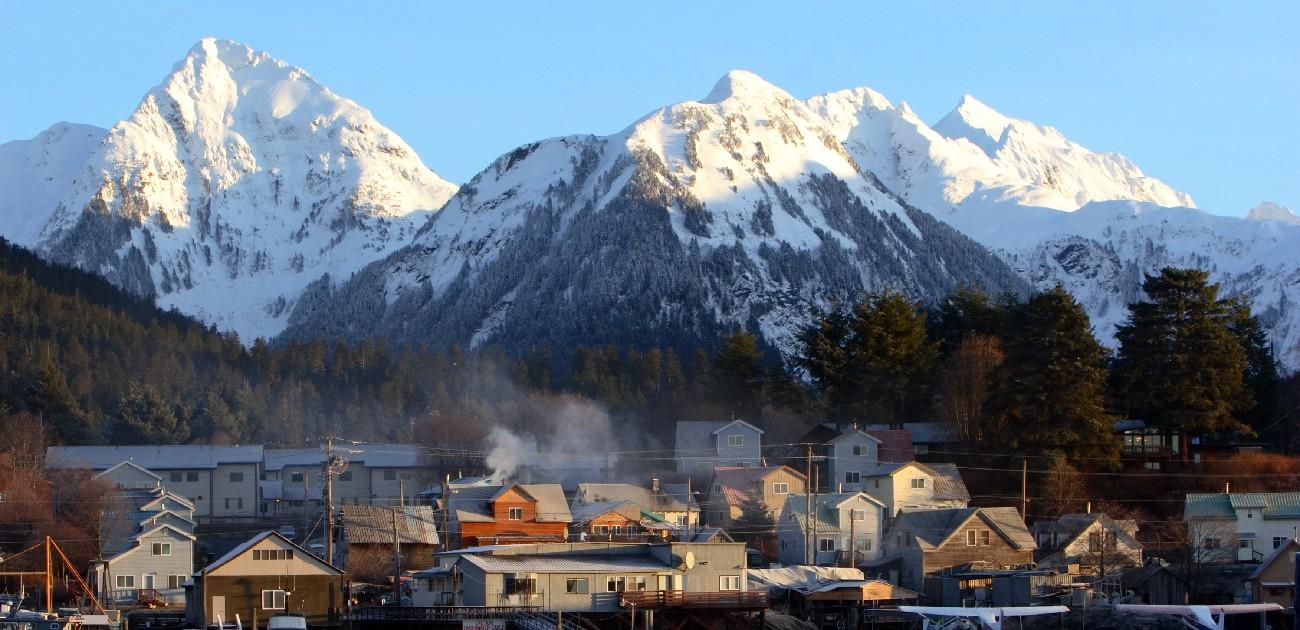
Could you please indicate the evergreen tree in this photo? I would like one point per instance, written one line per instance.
(737, 378)
(51, 398)
(755, 526)
(1262, 376)
(1180, 365)
(1051, 387)
(143, 417)
(891, 357)
(966, 312)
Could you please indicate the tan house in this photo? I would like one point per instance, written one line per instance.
(732, 485)
(914, 485)
(265, 576)
(921, 543)
(612, 521)
(1274, 581)
(1091, 540)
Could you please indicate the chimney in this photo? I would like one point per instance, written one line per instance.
(1089, 508)
(654, 485)
(1227, 487)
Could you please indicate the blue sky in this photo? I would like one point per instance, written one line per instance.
(1202, 95)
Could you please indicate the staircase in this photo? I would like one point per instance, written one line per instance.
(534, 620)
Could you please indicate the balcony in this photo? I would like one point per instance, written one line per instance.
(1152, 451)
(731, 600)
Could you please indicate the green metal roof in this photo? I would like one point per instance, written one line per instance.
(1225, 505)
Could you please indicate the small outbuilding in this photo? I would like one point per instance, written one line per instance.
(263, 577)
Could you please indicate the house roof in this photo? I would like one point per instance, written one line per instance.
(251, 542)
(855, 431)
(369, 524)
(191, 456)
(922, 432)
(933, 528)
(586, 512)
(948, 484)
(564, 563)
(735, 422)
(736, 482)
(710, 534)
(670, 498)
(137, 543)
(473, 504)
(1071, 527)
(698, 436)
(128, 464)
(895, 444)
(825, 506)
(278, 458)
(1290, 547)
(1137, 576)
(1225, 505)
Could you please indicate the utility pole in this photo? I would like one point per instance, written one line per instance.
(812, 514)
(397, 563)
(853, 539)
(1024, 488)
(807, 510)
(329, 499)
(49, 579)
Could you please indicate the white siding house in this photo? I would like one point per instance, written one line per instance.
(848, 529)
(1241, 526)
(913, 485)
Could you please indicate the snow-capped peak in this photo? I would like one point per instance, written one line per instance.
(745, 85)
(977, 122)
(1269, 211)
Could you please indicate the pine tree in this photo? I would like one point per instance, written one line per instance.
(737, 378)
(1180, 366)
(891, 358)
(755, 526)
(143, 417)
(51, 398)
(1262, 376)
(1051, 388)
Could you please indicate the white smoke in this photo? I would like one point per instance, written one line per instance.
(555, 433)
(507, 452)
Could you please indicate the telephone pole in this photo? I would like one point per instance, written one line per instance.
(329, 499)
(1024, 487)
(807, 511)
(397, 560)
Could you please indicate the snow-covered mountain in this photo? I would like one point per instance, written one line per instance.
(744, 208)
(234, 184)
(1269, 211)
(35, 174)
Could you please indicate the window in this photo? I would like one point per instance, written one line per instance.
(877, 484)
(238, 503)
(780, 488)
(852, 477)
(1246, 543)
(345, 475)
(390, 475)
(681, 519)
(515, 514)
(615, 584)
(515, 585)
(865, 544)
(295, 477)
(191, 476)
(735, 440)
(124, 581)
(1094, 541)
(176, 581)
(1278, 541)
(575, 585)
(272, 554)
(861, 450)
(1151, 465)
(729, 582)
(826, 544)
(717, 487)
(162, 549)
(1211, 543)
(272, 600)
(985, 537)
(176, 477)
(785, 544)
(918, 482)
(636, 583)
(970, 538)
(236, 477)
(857, 515)
(600, 529)
(616, 530)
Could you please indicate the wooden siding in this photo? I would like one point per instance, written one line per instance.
(309, 595)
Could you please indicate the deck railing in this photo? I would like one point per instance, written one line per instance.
(683, 599)
(406, 614)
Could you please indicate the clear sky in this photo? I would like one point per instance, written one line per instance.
(1200, 94)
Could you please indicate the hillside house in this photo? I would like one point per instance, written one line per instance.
(927, 438)
(847, 529)
(843, 452)
(916, 486)
(1241, 526)
(292, 479)
(921, 543)
(1093, 540)
(612, 520)
(673, 503)
(703, 446)
(147, 539)
(507, 514)
(264, 576)
(1154, 583)
(128, 474)
(731, 486)
(1274, 580)
(367, 534)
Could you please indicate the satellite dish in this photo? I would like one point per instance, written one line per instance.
(688, 561)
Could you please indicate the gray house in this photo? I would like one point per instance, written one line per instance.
(703, 446)
(148, 543)
(847, 530)
(854, 454)
(219, 480)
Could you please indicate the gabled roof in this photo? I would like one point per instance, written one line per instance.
(736, 482)
(131, 465)
(700, 436)
(670, 498)
(934, 528)
(176, 457)
(586, 512)
(1225, 505)
(735, 422)
(251, 542)
(474, 504)
(1071, 527)
(367, 524)
(1137, 576)
(948, 484)
(1291, 547)
(852, 432)
(138, 540)
(825, 506)
(710, 534)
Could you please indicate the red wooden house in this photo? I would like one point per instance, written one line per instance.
(506, 514)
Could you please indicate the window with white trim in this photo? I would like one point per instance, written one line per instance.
(970, 538)
(162, 549)
(735, 440)
(728, 582)
(852, 477)
(780, 488)
(273, 600)
(575, 585)
(515, 514)
(918, 482)
(124, 581)
(861, 450)
(825, 544)
(176, 581)
(858, 515)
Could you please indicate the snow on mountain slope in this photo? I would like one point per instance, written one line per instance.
(1269, 211)
(742, 209)
(36, 173)
(234, 184)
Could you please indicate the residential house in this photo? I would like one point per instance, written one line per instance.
(843, 452)
(732, 486)
(507, 514)
(1241, 526)
(846, 530)
(1154, 583)
(601, 578)
(703, 446)
(128, 474)
(367, 534)
(1091, 540)
(293, 480)
(921, 543)
(1150, 448)
(836, 597)
(915, 486)
(673, 503)
(1273, 582)
(147, 540)
(374, 474)
(221, 481)
(927, 438)
(610, 520)
(265, 576)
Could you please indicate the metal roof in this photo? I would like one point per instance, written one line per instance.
(1225, 505)
(565, 564)
(932, 527)
(367, 524)
(474, 504)
(670, 498)
(153, 458)
(737, 482)
(826, 507)
(278, 458)
(948, 484)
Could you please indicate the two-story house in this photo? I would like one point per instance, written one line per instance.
(921, 543)
(732, 486)
(147, 539)
(374, 474)
(367, 533)
(507, 514)
(1240, 526)
(843, 452)
(1093, 540)
(846, 529)
(673, 503)
(913, 485)
(221, 481)
(611, 520)
(703, 446)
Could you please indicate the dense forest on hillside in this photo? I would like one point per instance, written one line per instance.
(92, 364)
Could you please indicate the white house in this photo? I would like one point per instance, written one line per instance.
(1241, 526)
(703, 446)
(913, 485)
(847, 529)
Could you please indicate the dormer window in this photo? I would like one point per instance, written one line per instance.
(918, 482)
(735, 440)
(515, 514)
(780, 488)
